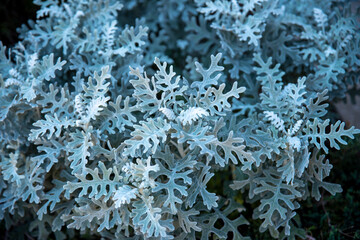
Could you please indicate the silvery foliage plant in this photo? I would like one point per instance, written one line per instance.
(116, 115)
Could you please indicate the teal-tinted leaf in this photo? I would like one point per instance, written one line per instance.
(184, 218)
(279, 198)
(51, 152)
(316, 132)
(216, 101)
(93, 213)
(207, 222)
(32, 183)
(120, 117)
(178, 177)
(131, 40)
(51, 197)
(9, 169)
(148, 219)
(124, 194)
(99, 186)
(145, 92)
(147, 135)
(52, 124)
(198, 187)
(231, 149)
(208, 78)
(79, 146)
(46, 69)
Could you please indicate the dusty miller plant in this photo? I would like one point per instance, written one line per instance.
(114, 124)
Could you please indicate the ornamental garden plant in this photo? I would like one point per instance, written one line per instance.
(115, 116)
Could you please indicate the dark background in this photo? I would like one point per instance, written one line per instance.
(14, 13)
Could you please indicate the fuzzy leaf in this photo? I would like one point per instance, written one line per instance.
(98, 186)
(316, 132)
(147, 135)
